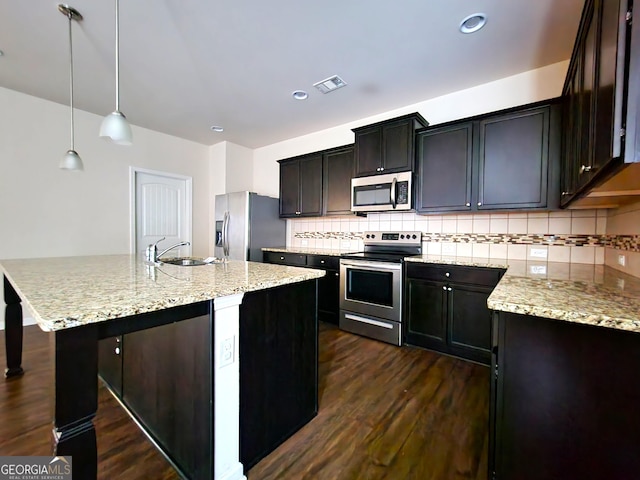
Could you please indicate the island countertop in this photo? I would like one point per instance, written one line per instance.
(572, 292)
(67, 292)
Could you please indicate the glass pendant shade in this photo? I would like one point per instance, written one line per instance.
(116, 128)
(71, 161)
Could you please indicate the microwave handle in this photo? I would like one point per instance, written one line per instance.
(393, 192)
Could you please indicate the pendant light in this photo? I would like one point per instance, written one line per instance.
(71, 160)
(115, 126)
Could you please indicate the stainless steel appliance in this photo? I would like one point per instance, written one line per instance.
(371, 285)
(246, 222)
(379, 193)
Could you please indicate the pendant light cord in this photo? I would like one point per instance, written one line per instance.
(117, 57)
(71, 77)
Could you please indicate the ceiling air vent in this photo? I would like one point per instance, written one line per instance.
(330, 84)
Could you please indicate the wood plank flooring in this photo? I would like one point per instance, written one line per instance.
(385, 413)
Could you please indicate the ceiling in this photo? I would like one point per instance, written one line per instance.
(186, 65)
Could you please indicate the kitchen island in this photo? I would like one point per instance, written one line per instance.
(83, 300)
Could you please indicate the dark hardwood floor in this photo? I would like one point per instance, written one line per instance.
(388, 413)
(385, 413)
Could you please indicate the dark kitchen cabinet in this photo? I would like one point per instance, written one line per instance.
(328, 286)
(278, 367)
(560, 400)
(388, 146)
(301, 186)
(164, 378)
(499, 161)
(445, 162)
(338, 165)
(446, 309)
(600, 131)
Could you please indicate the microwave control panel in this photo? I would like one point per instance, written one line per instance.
(402, 193)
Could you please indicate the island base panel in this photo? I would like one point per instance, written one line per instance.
(13, 331)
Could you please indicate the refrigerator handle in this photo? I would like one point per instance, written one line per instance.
(225, 235)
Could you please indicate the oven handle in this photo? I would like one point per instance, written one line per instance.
(394, 182)
(368, 320)
(371, 265)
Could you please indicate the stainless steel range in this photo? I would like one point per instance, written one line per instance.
(371, 285)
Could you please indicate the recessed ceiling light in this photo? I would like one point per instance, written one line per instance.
(473, 23)
(330, 84)
(217, 128)
(300, 95)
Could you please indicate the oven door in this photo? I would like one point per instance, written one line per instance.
(371, 288)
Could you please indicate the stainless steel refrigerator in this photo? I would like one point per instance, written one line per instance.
(245, 223)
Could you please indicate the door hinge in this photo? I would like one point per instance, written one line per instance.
(623, 132)
(494, 476)
(629, 16)
(495, 372)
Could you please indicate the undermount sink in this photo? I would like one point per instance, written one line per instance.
(186, 262)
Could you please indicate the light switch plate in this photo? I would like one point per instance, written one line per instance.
(538, 252)
(622, 260)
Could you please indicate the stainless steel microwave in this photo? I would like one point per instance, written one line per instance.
(379, 193)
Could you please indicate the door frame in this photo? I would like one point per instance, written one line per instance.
(133, 171)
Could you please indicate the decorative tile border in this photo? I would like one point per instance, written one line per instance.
(620, 242)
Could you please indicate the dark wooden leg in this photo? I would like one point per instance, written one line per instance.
(13, 331)
(76, 398)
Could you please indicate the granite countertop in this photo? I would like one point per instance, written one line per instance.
(334, 252)
(66, 292)
(573, 292)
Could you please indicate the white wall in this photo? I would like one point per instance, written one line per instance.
(532, 86)
(47, 212)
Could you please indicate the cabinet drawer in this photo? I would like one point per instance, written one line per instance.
(283, 258)
(455, 273)
(328, 262)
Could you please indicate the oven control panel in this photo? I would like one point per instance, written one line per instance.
(392, 238)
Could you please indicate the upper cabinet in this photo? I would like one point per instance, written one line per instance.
(338, 165)
(301, 186)
(317, 184)
(500, 161)
(600, 133)
(387, 147)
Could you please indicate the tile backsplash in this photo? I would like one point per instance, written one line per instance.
(578, 236)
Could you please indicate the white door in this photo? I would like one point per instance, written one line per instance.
(162, 209)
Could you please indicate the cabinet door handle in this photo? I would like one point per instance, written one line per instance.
(117, 350)
(447, 274)
(448, 289)
(585, 168)
(479, 204)
(321, 261)
(382, 169)
(281, 258)
(444, 288)
(337, 274)
(467, 204)
(566, 193)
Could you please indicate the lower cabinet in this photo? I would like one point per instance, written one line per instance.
(564, 400)
(163, 376)
(278, 367)
(328, 286)
(446, 309)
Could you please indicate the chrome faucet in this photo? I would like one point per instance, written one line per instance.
(152, 254)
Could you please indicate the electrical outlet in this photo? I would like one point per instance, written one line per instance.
(538, 252)
(538, 269)
(622, 260)
(226, 351)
